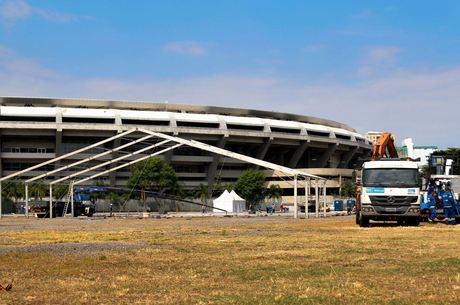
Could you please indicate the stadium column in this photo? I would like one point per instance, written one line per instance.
(212, 169)
(327, 155)
(58, 145)
(346, 157)
(263, 149)
(298, 154)
(167, 156)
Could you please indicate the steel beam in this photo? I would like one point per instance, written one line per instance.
(127, 164)
(110, 162)
(233, 155)
(89, 158)
(66, 155)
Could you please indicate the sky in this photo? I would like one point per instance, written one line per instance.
(374, 65)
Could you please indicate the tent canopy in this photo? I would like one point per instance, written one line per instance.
(230, 202)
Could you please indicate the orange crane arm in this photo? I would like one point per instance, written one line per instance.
(384, 143)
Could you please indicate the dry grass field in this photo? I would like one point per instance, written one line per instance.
(258, 260)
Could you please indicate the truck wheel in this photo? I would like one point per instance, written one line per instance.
(357, 217)
(363, 221)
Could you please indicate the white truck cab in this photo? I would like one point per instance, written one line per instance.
(390, 190)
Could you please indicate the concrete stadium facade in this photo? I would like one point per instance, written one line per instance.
(33, 130)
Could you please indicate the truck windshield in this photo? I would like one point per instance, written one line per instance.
(390, 177)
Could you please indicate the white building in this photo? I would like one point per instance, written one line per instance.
(409, 150)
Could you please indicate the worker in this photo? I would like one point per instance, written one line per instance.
(431, 205)
(448, 204)
(438, 187)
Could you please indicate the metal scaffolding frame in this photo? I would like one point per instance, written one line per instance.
(166, 139)
(29, 169)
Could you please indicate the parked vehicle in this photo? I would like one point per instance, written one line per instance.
(389, 188)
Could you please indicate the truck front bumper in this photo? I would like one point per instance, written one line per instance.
(390, 213)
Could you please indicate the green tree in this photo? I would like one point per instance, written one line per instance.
(202, 193)
(60, 191)
(425, 172)
(348, 189)
(155, 175)
(449, 153)
(38, 190)
(13, 190)
(250, 185)
(100, 195)
(229, 187)
(217, 187)
(118, 200)
(274, 192)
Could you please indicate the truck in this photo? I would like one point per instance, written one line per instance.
(389, 187)
(440, 173)
(389, 190)
(84, 203)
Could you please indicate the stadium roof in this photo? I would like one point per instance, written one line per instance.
(166, 106)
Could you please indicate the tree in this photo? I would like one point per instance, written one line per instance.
(102, 194)
(348, 189)
(38, 190)
(119, 200)
(155, 175)
(13, 190)
(217, 187)
(450, 153)
(202, 193)
(60, 191)
(425, 172)
(250, 185)
(274, 192)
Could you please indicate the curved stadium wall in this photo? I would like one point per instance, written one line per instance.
(36, 129)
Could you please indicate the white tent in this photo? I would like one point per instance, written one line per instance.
(236, 196)
(239, 204)
(232, 203)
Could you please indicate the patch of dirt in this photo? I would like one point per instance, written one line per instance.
(74, 248)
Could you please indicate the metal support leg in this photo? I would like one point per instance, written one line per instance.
(316, 199)
(307, 195)
(1, 200)
(51, 201)
(295, 197)
(324, 199)
(26, 187)
(71, 199)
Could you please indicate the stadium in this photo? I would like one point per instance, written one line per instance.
(37, 129)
